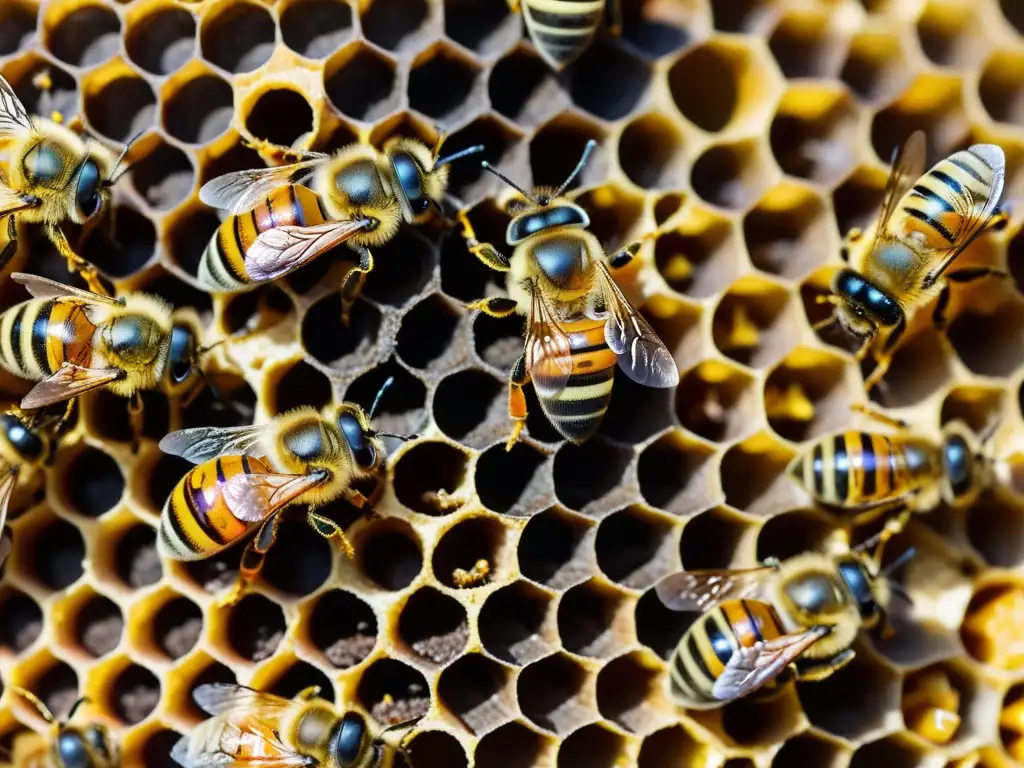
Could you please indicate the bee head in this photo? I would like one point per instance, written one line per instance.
(966, 469)
(183, 356)
(362, 439)
(419, 177)
(91, 195)
(350, 741)
(863, 308)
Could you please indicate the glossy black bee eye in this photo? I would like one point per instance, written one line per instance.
(72, 751)
(183, 352)
(410, 178)
(87, 191)
(362, 448)
(348, 744)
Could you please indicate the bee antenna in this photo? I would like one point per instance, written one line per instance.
(403, 438)
(36, 702)
(380, 393)
(458, 155)
(587, 152)
(490, 168)
(74, 707)
(823, 324)
(899, 562)
(112, 179)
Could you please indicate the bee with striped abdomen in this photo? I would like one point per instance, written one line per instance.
(357, 196)
(70, 746)
(72, 341)
(800, 615)
(562, 30)
(245, 476)
(579, 323)
(252, 727)
(926, 221)
(874, 473)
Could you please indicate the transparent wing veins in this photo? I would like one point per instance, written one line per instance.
(201, 444)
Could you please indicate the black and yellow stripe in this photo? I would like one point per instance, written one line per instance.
(40, 335)
(562, 29)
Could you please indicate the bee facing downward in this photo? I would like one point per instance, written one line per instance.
(358, 196)
(71, 746)
(52, 175)
(926, 221)
(579, 322)
(800, 615)
(250, 727)
(563, 29)
(247, 475)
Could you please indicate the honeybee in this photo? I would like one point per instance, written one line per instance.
(876, 473)
(926, 221)
(562, 30)
(252, 727)
(71, 746)
(22, 444)
(579, 322)
(358, 196)
(53, 175)
(800, 615)
(246, 475)
(72, 341)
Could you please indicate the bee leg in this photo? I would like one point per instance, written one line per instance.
(76, 263)
(68, 410)
(613, 14)
(939, 315)
(623, 256)
(331, 531)
(495, 306)
(1000, 219)
(135, 419)
(873, 413)
(352, 284)
(308, 693)
(486, 252)
(253, 558)
(517, 378)
(12, 242)
(819, 669)
(278, 151)
(873, 513)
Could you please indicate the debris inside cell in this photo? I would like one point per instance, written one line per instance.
(474, 577)
(742, 333)
(931, 706)
(789, 404)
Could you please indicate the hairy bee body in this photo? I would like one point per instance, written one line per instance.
(67, 745)
(562, 29)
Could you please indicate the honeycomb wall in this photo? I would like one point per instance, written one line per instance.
(751, 135)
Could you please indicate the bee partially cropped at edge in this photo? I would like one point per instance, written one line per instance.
(358, 196)
(925, 222)
(562, 30)
(252, 727)
(52, 175)
(245, 476)
(798, 616)
(70, 746)
(579, 323)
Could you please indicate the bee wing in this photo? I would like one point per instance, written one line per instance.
(280, 250)
(907, 167)
(255, 497)
(750, 668)
(69, 381)
(204, 443)
(233, 740)
(6, 489)
(12, 202)
(44, 288)
(240, 191)
(641, 354)
(6, 545)
(703, 590)
(548, 353)
(229, 699)
(14, 120)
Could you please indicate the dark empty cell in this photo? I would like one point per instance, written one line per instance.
(869, 693)
(511, 624)
(473, 689)
(585, 473)
(305, 575)
(608, 82)
(673, 474)
(550, 693)
(988, 344)
(177, 626)
(280, 116)
(164, 476)
(524, 89)
(467, 400)
(439, 86)
(667, 206)
(138, 564)
(189, 236)
(238, 37)
(1000, 88)
(401, 269)
(556, 149)
(98, 626)
(587, 621)
(301, 385)
(891, 127)
(390, 557)
(627, 543)
(93, 482)
(426, 469)
(199, 112)
(105, 416)
(434, 626)
(57, 551)
(347, 348)
(624, 690)
(312, 274)
(237, 157)
(360, 83)
(1014, 14)
(730, 175)
(136, 693)
(132, 244)
(164, 177)
(233, 406)
(61, 96)
(86, 36)
(552, 549)
(343, 627)
(58, 688)
(316, 28)
(393, 692)
(593, 746)
(484, 26)
(499, 341)
(636, 412)
(436, 749)
(994, 531)
(805, 750)
(698, 262)
(122, 108)
(649, 153)
(156, 753)
(513, 745)
(659, 628)
(163, 40)
(21, 621)
(762, 720)
(717, 405)
(467, 179)
(671, 747)
(255, 627)
(786, 241)
(875, 68)
(791, 534)
(299, 677)
(803, 46)
(400, 409)
(479, 538)
(512, 482)
(739, 15)
(392, 24)
(215, 673)
(753, 479)
(821, 148)
(17, 25)
(710, 539)
(856, 202)
(705, 86)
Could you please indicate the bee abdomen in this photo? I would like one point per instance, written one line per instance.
(562, 29)
(39, 335)
(851, 468)
(577, 410)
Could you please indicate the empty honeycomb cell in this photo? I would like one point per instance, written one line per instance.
(651, 153)
(483, 26)
(553, 548)
(814, 133)
(189, 231)
(592, 745)
(732, 175)
(476, 690)
(515, 624)
(466, 543)
(754, 477)
(788, 232)
(350, 350)
(434, 625)
(81, 36)
(979, 407)
(393, 691)
(255, 310)
(755, 322)
(134, 694)
(127, 246)
(400, 26)
(594, 620)
(554, 694)
(164, 177)
(298, 677)
(57, 686)
(701, 256)
(255, 627)
(921, 366)
(199, 110)
(316, 28)
(97, 623)
(809, 749)
(513, 745)
(993, 529)
(401, 411)
(670, 747)
(627, 689)
(676, 473)
(468, 181)
(237, 36)
(666, 206)
(402, 269)
(156, 750)
(120, 105)
(160, 38)
(515, 482)
(587, 475)
(1000, 87)
(856, 201)
(757, 721)
(718, 84)
(388, 552)
(305, 576)
(524, 89)
(93, 482)
(876, 68)
(712, 538)
(614, 212)
(177, 626)
(57, 564)
(427, 331)
(217, 573)
(343, 628)
(136, 558)
(18, 24)
(361, 83)
(896, 751)
(62, 94)
(635, 547)
(441, 84)
(22, 621)
(469, 406)
(436, 749)
(793, 533)
(717, 401)
(166, 472)
(608, 81)
(211, 672)
(804, 45)
(280, 115)
(557, 147)
(986, 344)
(934, 104)
(808, 394)
(426, 469)
(298, 385)
(951, 34)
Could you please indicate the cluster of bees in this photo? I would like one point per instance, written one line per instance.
(796, 618)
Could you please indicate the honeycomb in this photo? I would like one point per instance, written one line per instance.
(751, 134)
